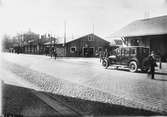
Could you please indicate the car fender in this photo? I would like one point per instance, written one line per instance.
(106, 62)
(134, 59)
(145, 61)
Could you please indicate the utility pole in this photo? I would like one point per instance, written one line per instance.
(64, 38)
(93, 32)
(38, 44)
(50, 44)
(64, 32)
(93, 29)
(22, 43)
(146, 14)
(72, 36)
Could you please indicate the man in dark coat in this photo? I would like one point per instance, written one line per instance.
(152, 64)
(55, 53)
(51, 52)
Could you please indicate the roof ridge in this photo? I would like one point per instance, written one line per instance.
(156, 17)
(149, 26)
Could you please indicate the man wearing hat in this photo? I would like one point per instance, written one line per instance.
(152, 64)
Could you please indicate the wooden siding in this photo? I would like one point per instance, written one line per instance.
(84, 44)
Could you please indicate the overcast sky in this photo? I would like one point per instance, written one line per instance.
(43, 16)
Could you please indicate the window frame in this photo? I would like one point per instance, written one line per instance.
(72, 51)
(135, 50)
(99, 49)
(90, 38)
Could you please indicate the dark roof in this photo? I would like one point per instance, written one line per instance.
(149, 26)
(85, 36)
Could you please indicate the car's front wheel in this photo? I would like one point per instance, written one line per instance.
(105, 63)
(133, 66)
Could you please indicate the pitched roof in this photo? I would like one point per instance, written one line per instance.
(85, 36)
(150, 26)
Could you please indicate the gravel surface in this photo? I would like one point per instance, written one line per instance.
(25, 102)
(55, 85)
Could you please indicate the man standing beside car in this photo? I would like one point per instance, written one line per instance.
(55, 53)
(152, 64)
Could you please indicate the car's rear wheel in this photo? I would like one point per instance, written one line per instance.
(133, 66)
(105, 63)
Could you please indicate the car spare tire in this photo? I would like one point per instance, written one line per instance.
(133, 66)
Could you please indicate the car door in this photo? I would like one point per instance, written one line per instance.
(126, 57)
(118, 55)
(123, 56)
(133, 52)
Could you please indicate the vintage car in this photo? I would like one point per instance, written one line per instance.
(132, 57)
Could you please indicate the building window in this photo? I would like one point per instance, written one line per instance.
(90, 38)
(72, 49)
(99, 49)
(135, 42)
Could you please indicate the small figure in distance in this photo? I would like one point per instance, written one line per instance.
(55, 53)
(100, 55)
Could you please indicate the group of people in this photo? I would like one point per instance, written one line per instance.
(53, 52)
(103, 54)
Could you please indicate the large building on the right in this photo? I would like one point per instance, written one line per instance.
(150, 32)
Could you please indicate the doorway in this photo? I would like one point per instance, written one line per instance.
(88, 52)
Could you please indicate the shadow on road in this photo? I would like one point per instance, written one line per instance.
(161, 73)
(24, 102)
(139, 71)
(158, 79)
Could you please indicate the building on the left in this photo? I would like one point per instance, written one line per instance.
(89, 45)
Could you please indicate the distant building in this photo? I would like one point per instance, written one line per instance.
(38, 45)
(86, 46)
(151, 32)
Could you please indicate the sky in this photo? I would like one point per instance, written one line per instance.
(80, 16)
